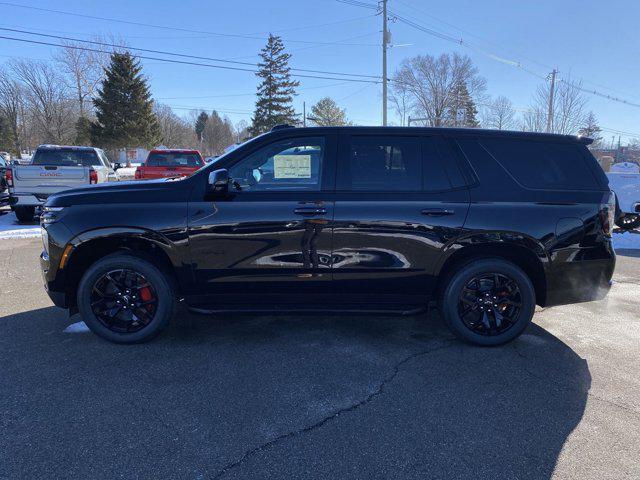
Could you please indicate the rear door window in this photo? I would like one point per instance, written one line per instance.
(382, 163)
(543, 165)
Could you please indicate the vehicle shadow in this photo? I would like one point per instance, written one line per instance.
(287, 397)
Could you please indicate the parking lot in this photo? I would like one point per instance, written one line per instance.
(317, 396)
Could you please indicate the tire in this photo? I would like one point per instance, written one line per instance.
(127, 327)
(474, 319)
(629, 221)
(25, 214)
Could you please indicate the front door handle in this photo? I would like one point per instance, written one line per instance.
(437, 212)
(310, 211)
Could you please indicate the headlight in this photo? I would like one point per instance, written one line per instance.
(50, 214)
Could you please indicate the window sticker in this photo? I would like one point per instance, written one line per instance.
(292, 166)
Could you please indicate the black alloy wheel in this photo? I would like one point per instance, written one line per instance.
(124, 300)
(488, 301)
(489, 304)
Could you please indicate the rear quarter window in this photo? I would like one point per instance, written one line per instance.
(543, 165)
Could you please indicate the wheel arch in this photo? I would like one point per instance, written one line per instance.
(93, 245)
(524, 252)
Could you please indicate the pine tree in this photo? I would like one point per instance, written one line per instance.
(201, 123)
(83, 131)
(276, 90)
(326, 113)
(124, 107)
(591, 129)
(462, 111)
(6, 135)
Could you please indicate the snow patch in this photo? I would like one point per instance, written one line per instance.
(10, 228)
(78, 327)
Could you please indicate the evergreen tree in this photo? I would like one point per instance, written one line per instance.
(201, 123)
(326, 113)
(83, 131)
(124, 107)
(591, 129)
(462, 111)
(6, 136)
(276, 90)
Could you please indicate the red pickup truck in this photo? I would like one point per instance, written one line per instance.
(169, 163)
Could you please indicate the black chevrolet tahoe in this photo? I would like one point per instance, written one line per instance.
(486, 224)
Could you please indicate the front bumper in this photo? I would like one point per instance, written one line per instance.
(58, 298)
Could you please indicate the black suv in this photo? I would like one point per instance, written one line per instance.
(486, 223)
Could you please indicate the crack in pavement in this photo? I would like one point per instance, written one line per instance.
(378, 391)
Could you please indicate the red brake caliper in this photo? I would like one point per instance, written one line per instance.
(145, 295)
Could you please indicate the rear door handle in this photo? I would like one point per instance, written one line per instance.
(310, 211)
(437, 212)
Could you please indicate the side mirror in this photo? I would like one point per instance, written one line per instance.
(218, 181)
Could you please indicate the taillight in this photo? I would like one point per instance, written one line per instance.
(138, 174)
(93, 176)
(608, 213)
(8, 175)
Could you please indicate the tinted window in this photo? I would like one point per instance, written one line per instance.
(543, 165)
(378, 163)
(173, 159)
(292, 164)
(435, 175)
(65, 157)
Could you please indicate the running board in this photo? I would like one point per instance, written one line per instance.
(308, 311)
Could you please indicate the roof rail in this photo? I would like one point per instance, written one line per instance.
(282, 126)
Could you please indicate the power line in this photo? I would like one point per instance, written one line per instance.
(252, 93)
(182, 62)
(166, 27)
(506, 61)
(182, 55)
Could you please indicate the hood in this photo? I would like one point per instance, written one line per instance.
(145, 191)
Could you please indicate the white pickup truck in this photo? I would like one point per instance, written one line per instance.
(54, 168)
(624, 181)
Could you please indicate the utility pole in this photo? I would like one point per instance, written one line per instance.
(385, 39)
(550, 111)
(304, 114)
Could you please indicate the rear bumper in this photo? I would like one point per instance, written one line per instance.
(580, 281)
(25, 200)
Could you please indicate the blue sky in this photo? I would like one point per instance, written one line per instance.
(590, 40)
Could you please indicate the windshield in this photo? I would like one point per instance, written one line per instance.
(66, 157)
(174, 159)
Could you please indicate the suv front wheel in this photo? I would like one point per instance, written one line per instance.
(488, 302)
(125, 299)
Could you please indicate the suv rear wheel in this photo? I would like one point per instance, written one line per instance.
(125, 299)
(25, 214)
(488, 302)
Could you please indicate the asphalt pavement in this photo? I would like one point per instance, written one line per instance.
(327, 397)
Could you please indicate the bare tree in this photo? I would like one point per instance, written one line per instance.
(499, 114)
(176, 132)
(13, 107)
(401, 102)
(84, 68)
(534, 120)
(568, 109)
(49, 107)
(218, 134)
(433, 85)
(241, 131)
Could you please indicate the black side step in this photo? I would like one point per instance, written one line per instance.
(307, 311)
